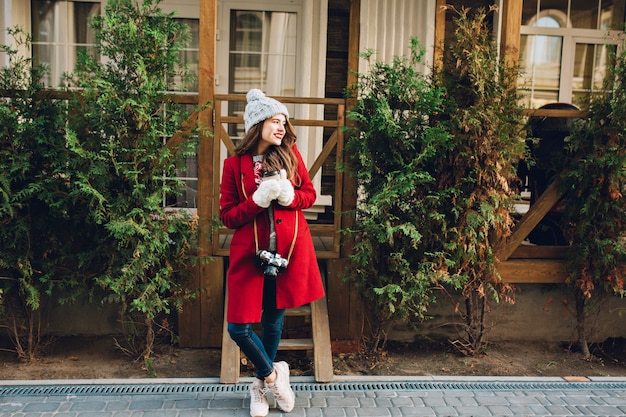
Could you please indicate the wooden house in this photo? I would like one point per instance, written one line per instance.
(305, 53)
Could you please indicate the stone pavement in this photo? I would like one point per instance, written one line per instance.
(347, 396)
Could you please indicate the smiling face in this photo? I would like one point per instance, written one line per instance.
(272, 133)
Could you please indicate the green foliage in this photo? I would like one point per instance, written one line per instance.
(394, 147)
(122, 169)
(485, 120)
(38, 215)
(594, 183)
(433, 159)
(82, 182)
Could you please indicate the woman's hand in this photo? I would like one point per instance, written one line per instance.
(266, 193)
(287, 193)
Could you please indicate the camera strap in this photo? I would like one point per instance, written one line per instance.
(256, 228)
(293, 241)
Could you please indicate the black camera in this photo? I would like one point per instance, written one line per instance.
(272, 263)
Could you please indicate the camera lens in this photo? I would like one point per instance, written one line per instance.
(270, 271)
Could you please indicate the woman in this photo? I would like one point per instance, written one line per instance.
(263, 281)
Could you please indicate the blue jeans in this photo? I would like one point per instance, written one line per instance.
(261, 351)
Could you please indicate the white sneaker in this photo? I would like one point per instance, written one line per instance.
(280, 388)
(259, 407)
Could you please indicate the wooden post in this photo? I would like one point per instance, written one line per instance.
(201, 321)
(342, 300)
(349, 191)
(440, 33)
(511, 26)
(529, 221)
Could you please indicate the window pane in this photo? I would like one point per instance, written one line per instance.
(189, 56)
(262, 55)
(43, 21)
(554, 7)
(82, 14)
(50, 56)
(529, 11)
(541, 67)
(591, 64)
(584, 14)
(185, 194)
(247, 40)
(263, 52)
(584, 63)
(541, 56)
(59, 30)
(612, 14)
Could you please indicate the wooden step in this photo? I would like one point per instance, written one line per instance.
(316, 314)
(302, 311)
(295, 344)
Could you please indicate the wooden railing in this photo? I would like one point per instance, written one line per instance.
(325, 236)
(518, 263)
(535, 264)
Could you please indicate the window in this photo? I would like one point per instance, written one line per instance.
(565, 47)
(187, 196)
(59, 30)
(189, 56)
(262, 54)
(278, 46)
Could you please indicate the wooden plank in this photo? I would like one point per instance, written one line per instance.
(206, 93)
(294, 121)
(189, 324)
(229, 371)
(181, 135)
(566, 113)
(283, 99)
(199, 326)
(296, 344)
(529, 221)
(212, 274)
(212, 302)
(440, 33)
(535, 271)
(540, 252)
(339, 182)
(348, 193)
(298, 311)
(511, 26)
(343, 301)
(326, 151)
(322, 352)
(226, 140)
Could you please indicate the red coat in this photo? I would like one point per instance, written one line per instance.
(298, 284)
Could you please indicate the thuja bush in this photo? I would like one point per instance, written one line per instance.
(485, 120)
(122, 168)
(39, 248)
(434, 157)
(394, 146)
(595, 208)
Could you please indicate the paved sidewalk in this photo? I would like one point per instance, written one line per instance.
(360, 396)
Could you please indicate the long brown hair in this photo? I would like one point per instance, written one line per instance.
(276, 157)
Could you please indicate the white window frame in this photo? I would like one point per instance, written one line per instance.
(64, 63)
(570, 38)
(311, 70)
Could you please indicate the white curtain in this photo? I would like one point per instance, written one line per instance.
(279, 66)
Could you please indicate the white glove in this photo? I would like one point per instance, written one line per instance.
(287, 194)
(266, 193)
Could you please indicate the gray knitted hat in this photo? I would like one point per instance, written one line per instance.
(261, 107)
